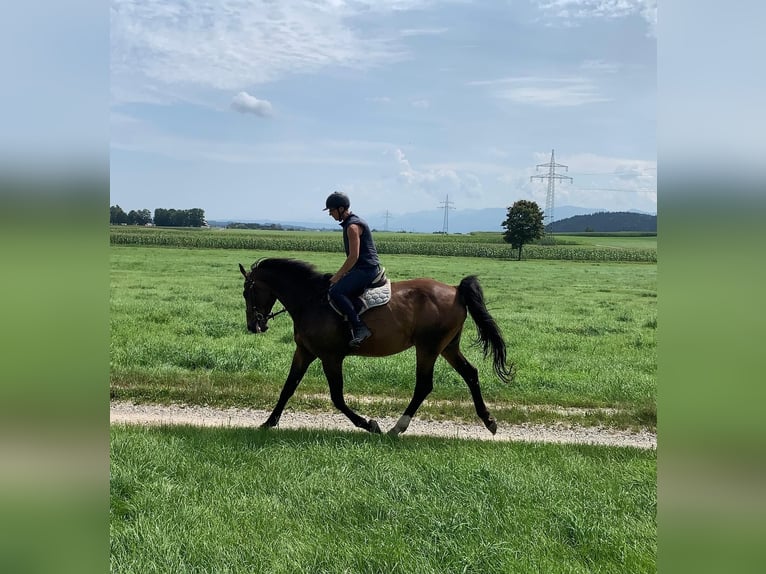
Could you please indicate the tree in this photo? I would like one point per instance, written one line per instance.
(524, 224)
(179, 217)
(196, 217)
(140, 217)
(117, 216)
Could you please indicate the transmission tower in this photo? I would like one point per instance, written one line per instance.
(447, 205)
(388, 216)
(551, 176)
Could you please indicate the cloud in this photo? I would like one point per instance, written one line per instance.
(600, 66)
(422, 104)
(620, 182)
(163, 51)
(549, 92)
(436, 181)
(247, 104)
(423, 31)
(568, 11)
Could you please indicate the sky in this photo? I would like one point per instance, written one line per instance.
(257, 110)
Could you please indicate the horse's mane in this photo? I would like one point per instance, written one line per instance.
(296, 271)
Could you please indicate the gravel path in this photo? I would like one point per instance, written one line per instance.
(122, 412)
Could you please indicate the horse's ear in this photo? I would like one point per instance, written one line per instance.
(242, 269)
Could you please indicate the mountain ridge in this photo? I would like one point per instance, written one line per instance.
(431, 221)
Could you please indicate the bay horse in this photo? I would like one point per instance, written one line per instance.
(423, 313)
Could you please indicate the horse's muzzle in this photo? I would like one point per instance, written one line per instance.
(257, 327)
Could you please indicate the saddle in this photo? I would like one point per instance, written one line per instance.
(377, 294)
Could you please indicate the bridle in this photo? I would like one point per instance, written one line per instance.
(262, 317)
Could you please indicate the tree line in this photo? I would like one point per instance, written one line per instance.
(194, 217)
(605, 221)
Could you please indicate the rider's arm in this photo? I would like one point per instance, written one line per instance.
(354, 232)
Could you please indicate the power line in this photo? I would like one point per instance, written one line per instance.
(552, 176)
(615, 189)
(632, 172)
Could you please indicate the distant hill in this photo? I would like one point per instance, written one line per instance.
(460, 220)
(606, 222)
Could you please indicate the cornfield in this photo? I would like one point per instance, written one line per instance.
(410, 244)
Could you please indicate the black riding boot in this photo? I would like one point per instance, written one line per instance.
(359, 332)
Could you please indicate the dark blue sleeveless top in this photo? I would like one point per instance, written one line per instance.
(368, 254)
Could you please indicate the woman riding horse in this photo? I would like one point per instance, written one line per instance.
(360, 267)
(423, 313)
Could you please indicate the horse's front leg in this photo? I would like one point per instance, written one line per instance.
(302, 358)
(333, 370)
(424, 384)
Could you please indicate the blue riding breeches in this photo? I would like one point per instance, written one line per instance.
(352, 284)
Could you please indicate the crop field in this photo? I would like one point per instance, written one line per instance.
(247, 501)
(485, 245)
(580, 334)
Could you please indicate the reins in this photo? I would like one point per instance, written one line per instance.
(269, 316)
(272, 315)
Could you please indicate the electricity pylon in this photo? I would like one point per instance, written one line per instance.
(447, 205)
(388, 216)
(551, 176)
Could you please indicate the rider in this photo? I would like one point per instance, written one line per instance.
(359, 269)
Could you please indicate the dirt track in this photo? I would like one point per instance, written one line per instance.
(127, 413)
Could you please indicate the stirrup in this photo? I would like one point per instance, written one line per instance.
(359, 335)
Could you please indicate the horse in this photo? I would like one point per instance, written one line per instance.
(423, 313)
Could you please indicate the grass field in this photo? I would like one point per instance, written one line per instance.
(241, 500)
(612, 240)
(580, 334)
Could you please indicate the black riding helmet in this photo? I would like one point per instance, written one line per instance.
(336, 200)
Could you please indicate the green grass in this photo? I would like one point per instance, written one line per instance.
(580, 333)
(611, 240)
(241, 500)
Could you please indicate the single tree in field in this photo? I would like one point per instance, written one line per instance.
(524, 224)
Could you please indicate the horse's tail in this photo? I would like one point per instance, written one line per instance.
(489, 334)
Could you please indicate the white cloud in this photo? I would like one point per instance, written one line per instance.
(422, 104)
(601, 181)
(568, 11)
(552, 92)
(160, 51)
(247, 104)
(437, 180)
(423, 31)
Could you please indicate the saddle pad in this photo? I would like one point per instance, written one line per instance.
(374, 297)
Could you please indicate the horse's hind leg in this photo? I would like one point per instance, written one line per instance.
(302, 358)
(424, 384)
(333, 370)
(470, 375)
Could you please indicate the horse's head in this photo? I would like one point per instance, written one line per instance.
(259, 300)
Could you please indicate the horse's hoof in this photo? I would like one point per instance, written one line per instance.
(373, 427)
(491, 424)
(268, 425)
(393, 432)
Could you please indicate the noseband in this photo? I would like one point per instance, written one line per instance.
(258, 315)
